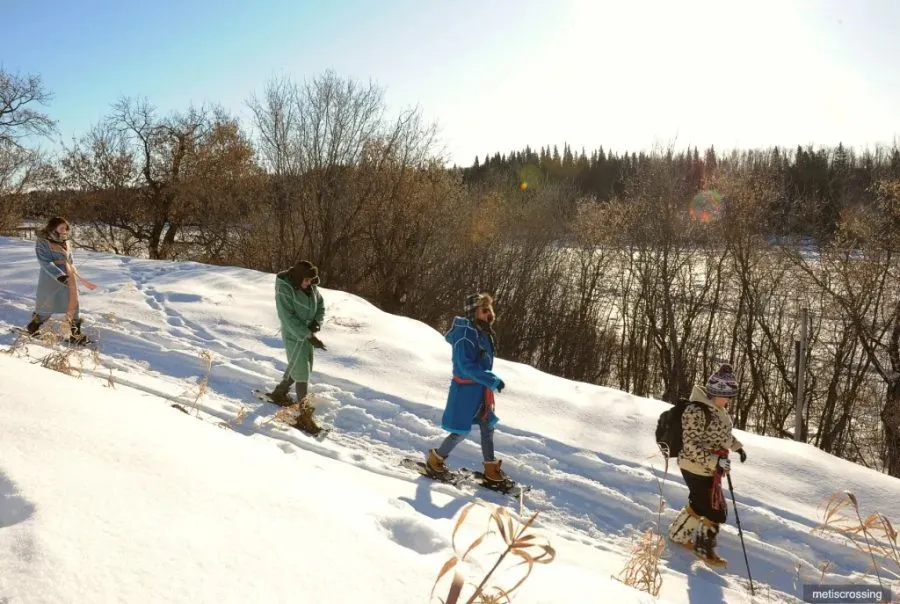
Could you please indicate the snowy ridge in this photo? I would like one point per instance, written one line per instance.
(588, 451)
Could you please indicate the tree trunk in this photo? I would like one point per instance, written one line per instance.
(168, 242)
(153, 241)
(890, 420)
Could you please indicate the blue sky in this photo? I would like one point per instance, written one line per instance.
(495, 75)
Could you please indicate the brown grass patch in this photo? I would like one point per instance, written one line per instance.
(529, 548)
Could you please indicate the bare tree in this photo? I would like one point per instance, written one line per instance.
(161, 147)
(101, 177)
(326, 145)
(18, 116)
(218, 179)
(147, 178)
(679, 280)
(21, 167)
(859, 271)
(275, 117)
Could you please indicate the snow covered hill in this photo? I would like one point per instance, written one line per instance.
(109, 494)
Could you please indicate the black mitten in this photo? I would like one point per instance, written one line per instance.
(316, 342)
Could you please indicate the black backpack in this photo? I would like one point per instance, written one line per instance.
(668, 427)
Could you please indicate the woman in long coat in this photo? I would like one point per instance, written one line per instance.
(57, 289)
(470, 399)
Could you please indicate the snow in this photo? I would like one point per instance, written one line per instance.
(107, 493)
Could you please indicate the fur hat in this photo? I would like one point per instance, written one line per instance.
(722, 382)
(304, 270)
(474, 301)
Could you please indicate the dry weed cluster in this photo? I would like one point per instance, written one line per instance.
(517, 542)
(641, 570)
(874, 536)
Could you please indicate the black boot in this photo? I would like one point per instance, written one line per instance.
(302, 389)
(280, 396)
(33, 327)
(77, 338)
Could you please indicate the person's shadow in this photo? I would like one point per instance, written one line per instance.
(424, 504)
(13, 507)
(705, 585)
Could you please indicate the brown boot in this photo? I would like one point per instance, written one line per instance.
(705, 544)
(435, 463)
(493, 473)
(305, 421)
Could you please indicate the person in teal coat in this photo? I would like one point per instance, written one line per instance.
(301, 311)
(470, 399)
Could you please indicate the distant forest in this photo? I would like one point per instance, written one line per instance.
(812, 185)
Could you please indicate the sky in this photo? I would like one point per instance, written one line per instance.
(109, 494)
(495, 76)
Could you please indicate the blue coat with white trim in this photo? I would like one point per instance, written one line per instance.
(473, 359)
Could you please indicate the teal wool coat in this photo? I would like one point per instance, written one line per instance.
(296, 309)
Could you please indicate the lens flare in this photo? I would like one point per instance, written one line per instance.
(707, 206)
(527, 176)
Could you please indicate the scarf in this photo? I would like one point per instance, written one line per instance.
(717, 495)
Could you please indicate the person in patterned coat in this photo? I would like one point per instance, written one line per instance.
(708, 438)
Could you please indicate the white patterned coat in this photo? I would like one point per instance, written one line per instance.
(701, 438)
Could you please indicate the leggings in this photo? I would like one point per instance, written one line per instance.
(487, 442)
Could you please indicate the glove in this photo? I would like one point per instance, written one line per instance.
(742, 454)
(724, 464)
(316, 342)
(498, 385)
(63, 279)
(314, 326)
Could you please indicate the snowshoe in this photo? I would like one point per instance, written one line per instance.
(451, 477)
(274, 397)
(507, 487)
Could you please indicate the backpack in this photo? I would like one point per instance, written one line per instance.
(669, 436)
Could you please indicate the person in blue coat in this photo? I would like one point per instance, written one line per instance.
(470, 400)
(57, 290)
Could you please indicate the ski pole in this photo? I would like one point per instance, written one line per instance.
(737, 520)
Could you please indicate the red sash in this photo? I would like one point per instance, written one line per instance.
(488, 403)
(717, 495)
